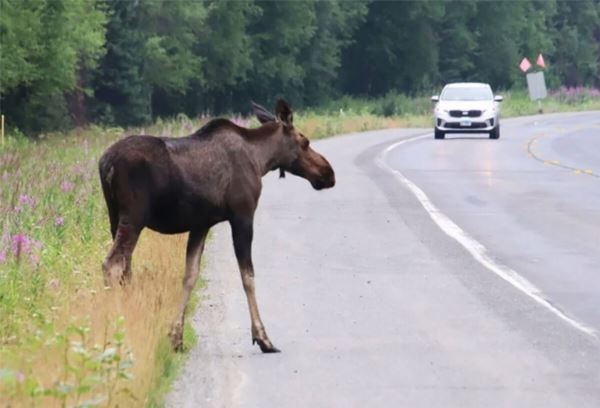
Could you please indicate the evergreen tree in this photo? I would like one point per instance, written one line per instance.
(395, 49)
(577, 56)
(45, 45)
(149, 49)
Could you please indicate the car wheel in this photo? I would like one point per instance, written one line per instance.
(495, 133)
(438, 134)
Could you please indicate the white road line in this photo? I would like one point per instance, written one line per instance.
(475, 248)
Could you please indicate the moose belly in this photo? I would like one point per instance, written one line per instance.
(178, 216)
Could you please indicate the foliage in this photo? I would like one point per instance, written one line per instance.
(137, 60)
(90, 375)
(46, 45)
(53, 236)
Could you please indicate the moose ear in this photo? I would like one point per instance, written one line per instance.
(262, 114)
(284, 113)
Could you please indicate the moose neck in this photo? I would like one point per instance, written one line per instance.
(266, 149)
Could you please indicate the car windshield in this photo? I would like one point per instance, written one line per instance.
(467, 94)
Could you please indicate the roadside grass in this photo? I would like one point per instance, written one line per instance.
(65, 340)
(351, 114)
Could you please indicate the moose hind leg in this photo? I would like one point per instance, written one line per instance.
(242, 231)
(117, 265)
(195, 247)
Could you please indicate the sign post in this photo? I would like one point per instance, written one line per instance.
(536, 83)
(2, 128)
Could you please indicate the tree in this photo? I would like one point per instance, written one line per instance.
(149, 50)
(336, 22)
(577, 56)
(45, 44)
(395, 49)
(457, 42)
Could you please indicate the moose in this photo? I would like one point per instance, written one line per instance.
(189, 184)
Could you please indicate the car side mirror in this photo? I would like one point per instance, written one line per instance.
(435, 98)
(498, 98)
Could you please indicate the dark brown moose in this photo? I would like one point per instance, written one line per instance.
(175, 185)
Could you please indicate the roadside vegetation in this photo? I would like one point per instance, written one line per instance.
(350, 114)
(65, 339)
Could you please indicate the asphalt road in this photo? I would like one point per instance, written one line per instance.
(437, 273)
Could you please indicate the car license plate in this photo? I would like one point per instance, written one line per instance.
(465, 123)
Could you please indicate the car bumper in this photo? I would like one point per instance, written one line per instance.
(462, 125)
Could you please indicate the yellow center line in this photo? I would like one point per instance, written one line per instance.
(531, 153)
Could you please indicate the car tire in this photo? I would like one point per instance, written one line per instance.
(438, 134)
(495, 133)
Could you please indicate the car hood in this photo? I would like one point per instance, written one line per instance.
(465, 105)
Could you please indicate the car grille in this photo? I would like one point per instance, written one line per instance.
(474, 125)
(461, 113)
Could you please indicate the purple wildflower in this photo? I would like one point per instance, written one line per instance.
(34, 259)
(26, 200)
(77, 169)
(2, 256)
(59, 221)
(54, 284)
(20, 242)
(19, 376)
(66, 186)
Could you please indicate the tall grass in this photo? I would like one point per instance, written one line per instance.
(65, 339)
(352, 114)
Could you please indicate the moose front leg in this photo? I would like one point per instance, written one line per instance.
(195, 246)
(241, 229)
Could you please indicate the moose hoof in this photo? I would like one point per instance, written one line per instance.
(266, 346)
(176, 335)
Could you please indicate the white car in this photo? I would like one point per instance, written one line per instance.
(467, 107)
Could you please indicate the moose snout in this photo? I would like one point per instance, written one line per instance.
(326, 179)
(330, 178)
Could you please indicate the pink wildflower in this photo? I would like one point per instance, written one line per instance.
(26, 200)
(54, 284)
(78, 169)
(20, 244)
(2, 256)
(34, 259)
(66, 186)
(19, 376)
(59, 221)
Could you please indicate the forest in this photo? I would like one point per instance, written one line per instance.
(68, 63)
